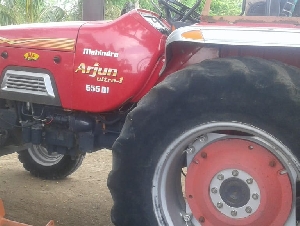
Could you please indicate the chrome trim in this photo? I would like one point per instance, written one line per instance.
(229, 35)
(27, 82)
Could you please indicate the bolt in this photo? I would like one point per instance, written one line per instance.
(201, 219)
(204, 155)
(250, 147)
(249, 181)
(235, 173)
(190, 150)
(255, 196)
(186, 218)
(219, 205)
(248, 209)
(202, 138)
(220, 177)
(214, 190)
(272, 163)
(282, 172)
(196, 161)
(4, 55)
(233, 213)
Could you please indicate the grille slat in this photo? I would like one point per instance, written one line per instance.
(17, 84)
(27, 82)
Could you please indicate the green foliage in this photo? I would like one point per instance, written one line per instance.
(228, 7)
(72, 8)
(113, 8)
(28, 11)
(218, 7)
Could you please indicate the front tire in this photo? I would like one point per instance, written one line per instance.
(223, 118)
(52, 166)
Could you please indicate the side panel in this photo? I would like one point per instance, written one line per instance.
(43, 60)
(32, 48)
(114, 61)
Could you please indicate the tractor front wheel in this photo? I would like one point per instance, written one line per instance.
(52, 166)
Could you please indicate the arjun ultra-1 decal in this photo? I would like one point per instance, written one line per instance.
(100, 73)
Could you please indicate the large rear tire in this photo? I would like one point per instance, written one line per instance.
(230, 126)
(52, 166)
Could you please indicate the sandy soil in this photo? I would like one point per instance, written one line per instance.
(81, 199)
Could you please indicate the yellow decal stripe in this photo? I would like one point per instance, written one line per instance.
(55, 43)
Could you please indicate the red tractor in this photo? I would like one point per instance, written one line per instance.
(202, 111)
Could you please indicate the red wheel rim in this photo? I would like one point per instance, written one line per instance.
(245, 156)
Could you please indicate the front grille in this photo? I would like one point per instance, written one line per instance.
(27, 82)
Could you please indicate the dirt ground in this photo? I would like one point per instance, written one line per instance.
(82, 199)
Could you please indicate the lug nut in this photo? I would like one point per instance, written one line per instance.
(220, 177)
(255, 196)
(190, 150)
(234, 213)
(214, 190)
(235, 173)
(202, 138)
(219, 205)
(248, 209)
(186, 218)
(249, 181)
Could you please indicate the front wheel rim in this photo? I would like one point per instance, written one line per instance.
(170, 204)
(41, 156)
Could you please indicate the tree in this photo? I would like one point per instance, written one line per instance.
(28, 11)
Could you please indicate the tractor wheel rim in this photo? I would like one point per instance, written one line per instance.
(168, 193)
(41, 156)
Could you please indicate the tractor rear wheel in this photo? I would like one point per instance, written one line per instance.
(52, 166)
(211, 145)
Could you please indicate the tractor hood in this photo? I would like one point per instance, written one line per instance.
(51, 36)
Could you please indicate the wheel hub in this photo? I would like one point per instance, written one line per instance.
(238, 182)
(231, 193)
(40, 155)
(235, 192)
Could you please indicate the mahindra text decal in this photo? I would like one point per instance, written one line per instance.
(99, 53)
(30, 56)
(100, 74)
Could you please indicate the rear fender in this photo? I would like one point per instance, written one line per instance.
(193, 44)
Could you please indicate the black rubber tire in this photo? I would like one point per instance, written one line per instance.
(254, 91)
(65, 167)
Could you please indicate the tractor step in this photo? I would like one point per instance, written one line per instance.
(6, 222)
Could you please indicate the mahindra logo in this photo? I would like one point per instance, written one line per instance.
(100, 53)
